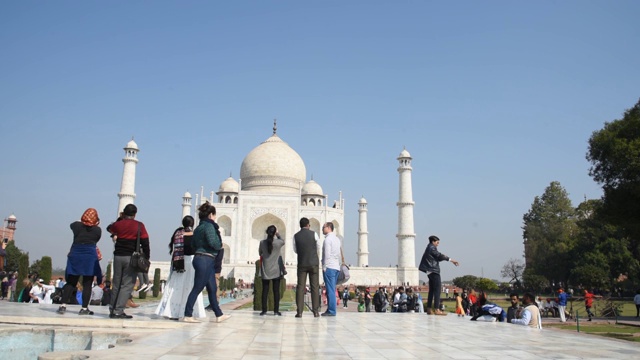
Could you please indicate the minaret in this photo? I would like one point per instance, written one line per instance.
(363, 234)
(127, 188)
(186, 204)
(406, 234)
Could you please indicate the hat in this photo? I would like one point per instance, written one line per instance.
(40, 280)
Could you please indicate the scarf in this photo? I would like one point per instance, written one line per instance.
(90, 217)
(177, 258)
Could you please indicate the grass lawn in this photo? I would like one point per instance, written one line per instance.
(624, 332)
(287, 303)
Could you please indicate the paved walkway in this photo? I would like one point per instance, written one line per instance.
(350, 335)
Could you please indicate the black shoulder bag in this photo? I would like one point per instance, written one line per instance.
(138, 261)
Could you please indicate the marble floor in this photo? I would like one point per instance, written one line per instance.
(350, 335)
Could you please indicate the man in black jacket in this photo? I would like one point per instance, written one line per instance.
(430, 264)
(305, 244)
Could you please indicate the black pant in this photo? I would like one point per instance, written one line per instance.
(435, 285)
(72, 281)
(637, 310)
(276, 294)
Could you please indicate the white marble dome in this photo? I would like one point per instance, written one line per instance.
(11, 217)
(362, 200)
(132, 145)
(404, 154)
(229, 185)
(312, 188)
(187, 195)
(273, 166)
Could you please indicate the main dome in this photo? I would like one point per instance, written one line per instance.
(273, 166)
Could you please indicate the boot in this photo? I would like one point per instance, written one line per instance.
(131, 304)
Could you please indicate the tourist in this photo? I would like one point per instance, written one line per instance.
(459, 309)
(331, 254)
(5, 288)
(41, 293)
(488, 311)
(345, 297)
(206, 243)
(562, 304)
(588, 302)
(400, 300)
(126, 232)
(270, 270)
(96, 295)
(367, 300)
(181, 276)
(106, 294)
(430, 264)
(636, 301)
(305, 244)
(82, 260)
(466, 303)
(513, 311)
(530, 314)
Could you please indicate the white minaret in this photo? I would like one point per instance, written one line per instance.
(407, 271)
(363, 233)
(186, 204)
(127, 189)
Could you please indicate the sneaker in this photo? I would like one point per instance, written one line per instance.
(143, 288)
(189, 319)
(222, 318)
(148, 287)
(120, 316)
(85, 312)
(61, 310)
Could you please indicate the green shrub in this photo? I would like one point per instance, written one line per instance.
(156, 282)
(45, 269)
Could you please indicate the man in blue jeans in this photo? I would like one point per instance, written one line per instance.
(331, 256)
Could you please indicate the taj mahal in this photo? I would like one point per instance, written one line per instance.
(273, 190)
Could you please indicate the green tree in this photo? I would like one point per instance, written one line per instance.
(602, 252)
(36, 267)
(45, 269)
(486, 285)
(12, 257)
(533, 281)
(466, 282)
(614, 153)
(549, 234)
(107, 274)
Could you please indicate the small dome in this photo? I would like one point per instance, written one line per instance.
(312, 188)
(132, 145)
(229, 185)
(11, 217)
(404, 154)
(187, 195)
(362, 200)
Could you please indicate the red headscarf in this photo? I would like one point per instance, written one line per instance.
(90, 217)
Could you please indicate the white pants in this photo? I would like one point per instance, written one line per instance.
(561, 311)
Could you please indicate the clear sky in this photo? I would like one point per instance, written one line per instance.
(493, 99)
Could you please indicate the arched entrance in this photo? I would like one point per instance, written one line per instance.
(258, 233)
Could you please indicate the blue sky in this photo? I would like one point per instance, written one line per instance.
(494, 100)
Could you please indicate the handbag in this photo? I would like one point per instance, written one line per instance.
(343, 275)
(138, 261)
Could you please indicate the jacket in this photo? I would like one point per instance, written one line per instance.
(431, 258)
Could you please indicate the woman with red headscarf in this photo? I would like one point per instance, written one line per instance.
(82, 260)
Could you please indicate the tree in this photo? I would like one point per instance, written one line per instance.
(548, 232)
(36, 267)
(45, 269)
(486, 285)
(512, 270)
(533, 281)
(13, 257)
(614, 153)
(602, 253)
(466, 282)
